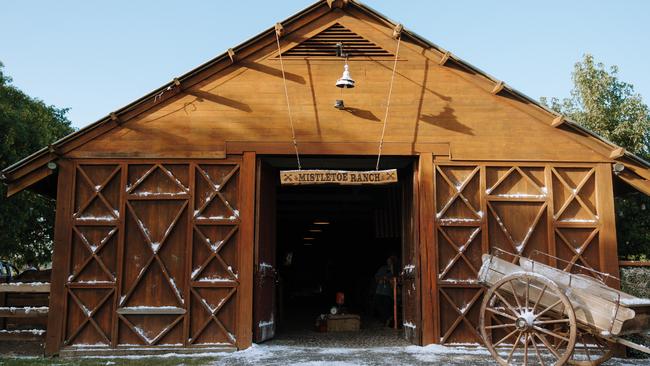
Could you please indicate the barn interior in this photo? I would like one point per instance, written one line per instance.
(333, 239)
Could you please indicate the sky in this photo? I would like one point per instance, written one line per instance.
(95, 57)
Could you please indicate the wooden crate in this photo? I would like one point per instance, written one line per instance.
(343, 323)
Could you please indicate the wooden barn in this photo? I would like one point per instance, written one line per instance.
(174, 232)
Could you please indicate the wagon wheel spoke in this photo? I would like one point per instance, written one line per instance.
(539, 297)
(527, 298)
(526, 350)
(497, 312)
(552, 334)
(498, 326)
(539, 357)
(506, 337)
(591, 351)
(514, 347)
(547, 345)
(554, 321)
(514, 293)
(558, 302)
(506, 303)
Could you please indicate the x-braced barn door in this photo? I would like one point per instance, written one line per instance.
(264, 305)
(157, 255)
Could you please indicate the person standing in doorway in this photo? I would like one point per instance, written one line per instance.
(384, 290)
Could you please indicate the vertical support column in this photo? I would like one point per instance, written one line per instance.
(189, 248)
(121, 240)
(607, 245)
(247, 244)
(550, 215)
(428, 256)
(60, 255)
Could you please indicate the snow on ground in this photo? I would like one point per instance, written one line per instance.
(273, 355)
(276, 354)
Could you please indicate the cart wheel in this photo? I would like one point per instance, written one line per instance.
(519, 319)
(590, 350)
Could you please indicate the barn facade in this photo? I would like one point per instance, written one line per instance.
(169, 211)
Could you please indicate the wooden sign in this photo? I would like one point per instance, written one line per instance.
(343, 177)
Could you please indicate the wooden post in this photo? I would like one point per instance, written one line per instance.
(427, 250)
(60, 255)
(394, 283)
(607, 245)
(247, 245)
(3, 301)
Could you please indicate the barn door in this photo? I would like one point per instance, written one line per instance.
(264, 305)
(410, 263)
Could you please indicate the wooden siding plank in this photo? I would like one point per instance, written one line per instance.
(21, 335)
(35, 287)
(23, 312)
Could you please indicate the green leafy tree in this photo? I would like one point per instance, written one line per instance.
(26, 219)
(604, 104)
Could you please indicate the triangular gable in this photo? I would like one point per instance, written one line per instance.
(33, 169)
(324, 44)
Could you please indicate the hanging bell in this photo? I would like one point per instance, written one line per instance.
(346, 80)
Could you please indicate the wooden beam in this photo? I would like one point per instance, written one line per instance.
(337, 148)
(62, 234)
(498, 87)
(428, 258)
(143, 310)
(279, 29)
(634, 263)
(27, 180)
(53, 150)
(244, 317)
(445, 57)
(217, 154)
(90, 352)
(23, 312)
(617, 153)
(337, 3)
(636, 181)
(115, 118)
(397, 31)
(21, 335)
(558, 121)
(35, 287)
(231, 54)
(607, 245)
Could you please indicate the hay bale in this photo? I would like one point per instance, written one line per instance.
(636, 281)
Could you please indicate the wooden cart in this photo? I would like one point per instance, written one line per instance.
(535, 314)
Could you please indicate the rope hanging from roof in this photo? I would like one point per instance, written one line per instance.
(390, 92)
(278, 30)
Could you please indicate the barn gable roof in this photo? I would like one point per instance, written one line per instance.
(34, 168)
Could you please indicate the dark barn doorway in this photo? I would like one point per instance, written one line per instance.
(317, 241)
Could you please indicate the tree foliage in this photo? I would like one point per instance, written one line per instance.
(604, 104)
(26, 219)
